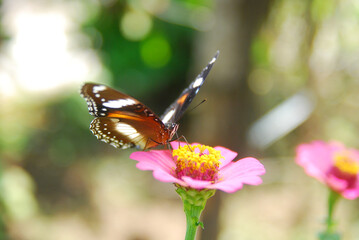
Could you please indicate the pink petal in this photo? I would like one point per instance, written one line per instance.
(165, 177)
(227, 154)
(351, 193)
(235, 174)
(244, 167)
(228, 187)
(236, 183)
(176, 144)
(159, 161)
(316, 158)
(196, 184)
(154, 159)
(336, 183)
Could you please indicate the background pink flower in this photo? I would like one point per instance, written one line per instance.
(333, 164)
(231, 175)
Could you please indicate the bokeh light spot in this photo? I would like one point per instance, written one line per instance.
(135, 25)
(17, 189)
(156, 51)
(260, 82)
(155, 6)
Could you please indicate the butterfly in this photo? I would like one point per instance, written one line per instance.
(125, 122)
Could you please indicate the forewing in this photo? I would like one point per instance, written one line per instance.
(103, 101)
(175, 111)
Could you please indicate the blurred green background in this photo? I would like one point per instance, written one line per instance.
(287, 73)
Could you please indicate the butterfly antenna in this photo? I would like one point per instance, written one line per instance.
(203, 101)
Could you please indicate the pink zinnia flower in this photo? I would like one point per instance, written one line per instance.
(333, 164)
(199, 167)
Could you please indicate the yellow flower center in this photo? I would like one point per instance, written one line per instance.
(198, 162)
(346, 163)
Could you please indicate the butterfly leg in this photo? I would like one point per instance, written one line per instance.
(182, 136)
(170, 148)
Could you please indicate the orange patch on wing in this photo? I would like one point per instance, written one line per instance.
(125, 116)
(182, 99)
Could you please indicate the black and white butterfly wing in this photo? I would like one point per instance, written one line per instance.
(103, 101)
(121, 120)
(175, 111)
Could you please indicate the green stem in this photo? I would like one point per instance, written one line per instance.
(193, 214)
(194, 202)
(330, 231)
(332, 200)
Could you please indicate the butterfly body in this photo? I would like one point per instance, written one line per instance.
(124, 122)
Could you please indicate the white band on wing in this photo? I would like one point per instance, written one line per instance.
(118, 103)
